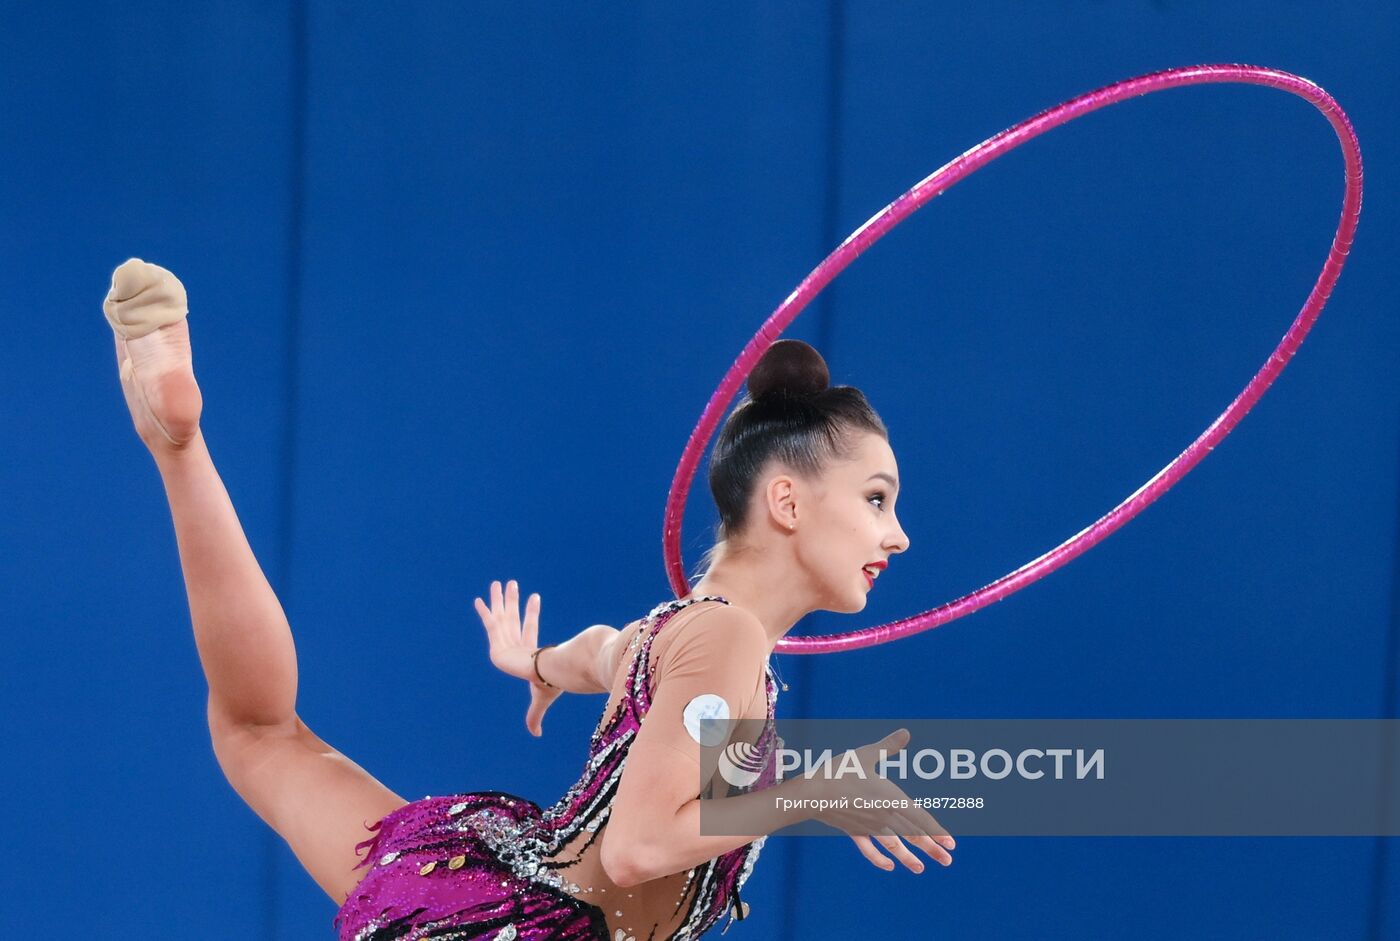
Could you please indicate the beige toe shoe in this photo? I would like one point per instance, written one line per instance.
(143, 298)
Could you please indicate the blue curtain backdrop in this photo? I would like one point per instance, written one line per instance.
(462, 277)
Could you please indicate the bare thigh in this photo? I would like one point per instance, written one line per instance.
(316, 799)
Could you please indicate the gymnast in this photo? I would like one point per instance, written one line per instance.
(805, 483)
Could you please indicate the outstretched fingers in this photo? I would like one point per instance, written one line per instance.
(502, 621)
(531, 631)
(868, 850)
(488, 620)
(938, 847)
(503, 616)
(901, 852)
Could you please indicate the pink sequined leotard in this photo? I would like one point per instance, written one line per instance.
(492, 865)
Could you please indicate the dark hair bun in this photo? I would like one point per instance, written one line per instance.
(789, 367)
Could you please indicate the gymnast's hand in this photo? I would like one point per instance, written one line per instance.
(512, 643)
(867, 826)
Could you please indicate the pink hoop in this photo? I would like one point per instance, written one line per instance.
(933, 185)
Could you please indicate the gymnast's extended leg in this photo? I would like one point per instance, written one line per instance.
(313, 796)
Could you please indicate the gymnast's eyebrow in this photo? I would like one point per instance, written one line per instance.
(883, 476)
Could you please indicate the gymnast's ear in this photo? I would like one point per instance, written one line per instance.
(780, 501)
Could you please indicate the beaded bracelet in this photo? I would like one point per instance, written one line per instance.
(535, 659)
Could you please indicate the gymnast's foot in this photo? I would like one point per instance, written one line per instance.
(146, 308)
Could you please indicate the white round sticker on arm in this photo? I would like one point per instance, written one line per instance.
(706, 706)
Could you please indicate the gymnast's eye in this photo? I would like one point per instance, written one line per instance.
(878, 495)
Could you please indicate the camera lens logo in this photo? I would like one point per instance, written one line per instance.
(740, 763)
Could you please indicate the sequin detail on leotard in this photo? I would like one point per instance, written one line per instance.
(485, 864)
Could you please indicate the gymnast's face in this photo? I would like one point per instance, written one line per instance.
(847, 522)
